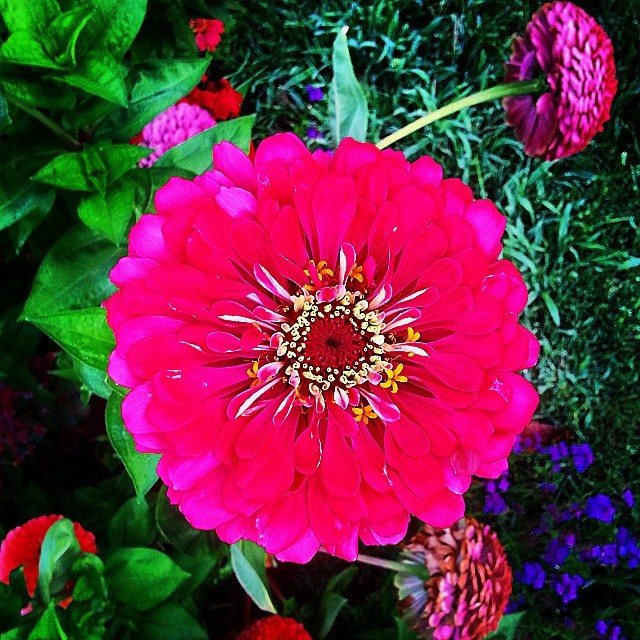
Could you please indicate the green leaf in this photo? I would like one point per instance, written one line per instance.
(5, 118)
(60, 549)
(172, 524)
(552, 308)
(171, 620)
(83, 333)
(92, 379)
(27, 199)
(48, 627)
(103, 77)
(157, 85)
(114, 26)
(142, 578)
(21, 48)
(66, 29)
(141, 467)
(74, 275)
(507, 628)
(109, 214)
(133, 525)
(32, 16)
(330, 606)
(247, 560)
(194, 154)
(348, 111)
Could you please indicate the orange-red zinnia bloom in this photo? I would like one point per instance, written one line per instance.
(22, 545)
(572, 51)
(218, 97)
(208, 33)
(274, 628)
(469, 584)
(320, 344)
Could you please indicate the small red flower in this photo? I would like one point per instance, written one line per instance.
(274, 628)
(208, 33)
(22, 546)
(575, 55)
(218, 97)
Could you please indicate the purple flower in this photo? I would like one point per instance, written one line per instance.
(312, 132)
(556, 553)
(315, 94)
(601, 627)
(503, 483)
(557, 451)
(570, 540)
(548, 486)
(567, 586)
(582, 456)
(532, 574)
(627, 496)
(494, 503)
(600, 508)
(608, 555)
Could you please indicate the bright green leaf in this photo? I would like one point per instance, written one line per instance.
(247, 560)
(93, 380)
(113, 26)
(348, 111)
(32, 16)
(141, 467)
(98, 76)
(158, 85)
(69, 171)
(142, 578)
(552, 308)
(21, 48)
(83, 333)
(29, 198)
(60, 549)
(109, 214)
(330, 606)
(171, 620)
(48, 627)
(66, 28)
(74, 274)
(194, 154)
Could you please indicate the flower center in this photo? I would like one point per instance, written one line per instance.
(329, 345)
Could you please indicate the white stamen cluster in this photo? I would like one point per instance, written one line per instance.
(292, 341)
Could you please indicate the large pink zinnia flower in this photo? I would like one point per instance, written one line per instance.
(575, 56)
(320, 344)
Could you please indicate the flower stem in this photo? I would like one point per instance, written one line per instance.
(394, 565)
(504, 90)
(47, 122)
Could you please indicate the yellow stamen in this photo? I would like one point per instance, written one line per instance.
(356, 274)
(412, 336)
(364, 413)
(394, 377)
(252, 372)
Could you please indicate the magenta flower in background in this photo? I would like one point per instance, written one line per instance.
(320, 345)
(568, 47)
(172, 127)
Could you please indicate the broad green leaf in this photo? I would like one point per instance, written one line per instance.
(60, 549)
(133, 525)
(48, 627)
(109, 214)
(247, 560)
(28, 15)
(114, 26)
(21, 48)
(103, 77)
(28, 199)
(142, 578)
(507, 628)
(157, 85)
(83, 333)
(74, 275)
(71, 171)
(171, 620)
(348, 111)
(194, 154)
(141, 467)
(36, 93)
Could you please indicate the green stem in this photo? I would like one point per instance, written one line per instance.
(394, 565)
(47, 122)
(522, 88)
